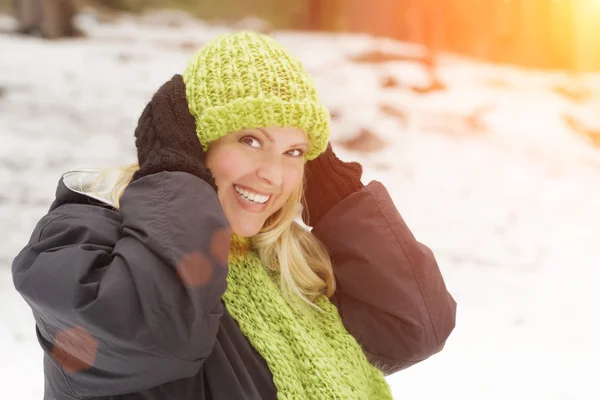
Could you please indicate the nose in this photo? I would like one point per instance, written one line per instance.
(270, 170)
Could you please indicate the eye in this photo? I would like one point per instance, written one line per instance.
(296, 153)
(251, 141)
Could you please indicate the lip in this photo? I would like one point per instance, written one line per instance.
(247, 205)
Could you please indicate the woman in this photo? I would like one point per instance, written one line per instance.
(189, 278)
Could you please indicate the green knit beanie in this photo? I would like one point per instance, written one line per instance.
(247, 80)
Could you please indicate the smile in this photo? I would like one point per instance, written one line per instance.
(251, 196)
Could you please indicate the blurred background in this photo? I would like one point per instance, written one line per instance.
(481, 117)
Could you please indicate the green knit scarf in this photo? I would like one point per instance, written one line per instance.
(309, 353)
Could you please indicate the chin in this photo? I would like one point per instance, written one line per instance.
(245, 230)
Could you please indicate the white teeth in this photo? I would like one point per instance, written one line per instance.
(254, 197)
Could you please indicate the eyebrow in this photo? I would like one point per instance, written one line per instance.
(268, 135)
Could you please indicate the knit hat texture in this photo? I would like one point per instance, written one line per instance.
(248, 80)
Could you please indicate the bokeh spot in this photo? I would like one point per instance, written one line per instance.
(195, 269)
(220, 245)
(75, 349)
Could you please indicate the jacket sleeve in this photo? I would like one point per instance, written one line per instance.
(130, 300)
(390, 292)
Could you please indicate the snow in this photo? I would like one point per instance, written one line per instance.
(511, 210)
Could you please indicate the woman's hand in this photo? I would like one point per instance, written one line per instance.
(328, 180)
(166, 137)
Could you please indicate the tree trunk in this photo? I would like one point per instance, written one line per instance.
(28, 14)
(51, 19)
(57, 18)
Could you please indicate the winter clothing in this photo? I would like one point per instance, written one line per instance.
(310, 353)
(331, 363)
(118, 315)
(165, 138)
(327, 171)
(248, 80)
(303, 349)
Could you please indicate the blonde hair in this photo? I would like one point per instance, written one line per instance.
(283, 245)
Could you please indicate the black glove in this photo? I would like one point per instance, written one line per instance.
(328, 180)
(166, 138)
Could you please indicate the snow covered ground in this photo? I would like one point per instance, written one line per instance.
(511, 208)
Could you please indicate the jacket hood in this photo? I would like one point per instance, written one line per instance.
(86, 186)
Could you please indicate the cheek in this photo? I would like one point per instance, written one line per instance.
(292, 177)
(227, 166)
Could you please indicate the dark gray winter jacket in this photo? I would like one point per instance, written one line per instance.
(115, 320)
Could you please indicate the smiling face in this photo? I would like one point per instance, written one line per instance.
(256, 171)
